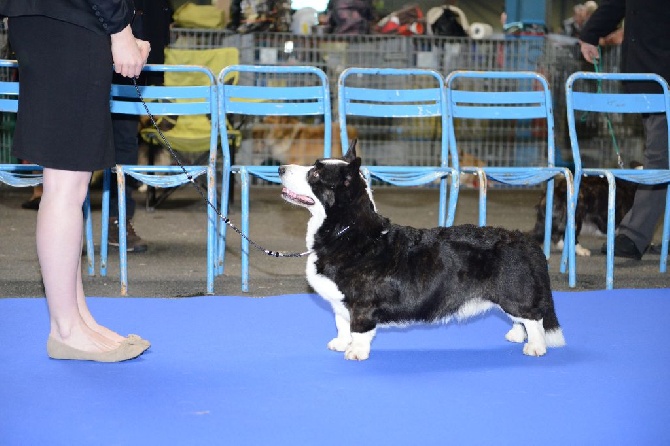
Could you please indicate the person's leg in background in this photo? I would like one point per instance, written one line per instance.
(639, 224)
(126, 147)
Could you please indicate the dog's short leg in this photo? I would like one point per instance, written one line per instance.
(581, 251)
(359, 349)
(516, 334)
(536, 345)
(343, 339)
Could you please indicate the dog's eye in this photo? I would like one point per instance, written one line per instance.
(314, 174)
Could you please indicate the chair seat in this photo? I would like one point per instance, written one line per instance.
(21, 175)
(408, 175)
(645, 176)
(170, 176)
(523, 176)
(267, 173)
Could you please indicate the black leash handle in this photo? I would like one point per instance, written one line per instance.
(190, 178)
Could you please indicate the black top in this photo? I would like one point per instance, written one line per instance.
(100, 16)
(646, 41)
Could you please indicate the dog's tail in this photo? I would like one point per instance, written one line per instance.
(552, 330)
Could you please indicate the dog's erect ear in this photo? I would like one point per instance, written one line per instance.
(353, 171)
(351, 153)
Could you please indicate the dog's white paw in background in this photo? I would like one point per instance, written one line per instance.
(359, 349)
(579, 249)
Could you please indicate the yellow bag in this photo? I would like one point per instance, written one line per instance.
(190, 15)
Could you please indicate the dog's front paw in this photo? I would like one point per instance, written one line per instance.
(339, 344)
(581, 251)
(531, 349)
(357, 352)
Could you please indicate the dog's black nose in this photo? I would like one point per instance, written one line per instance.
(282, 169)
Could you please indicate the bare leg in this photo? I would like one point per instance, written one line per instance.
(59, 241)
(86, 313)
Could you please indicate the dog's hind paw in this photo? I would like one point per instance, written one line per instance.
(516, 334)
(581, 251)
(339, 344)
(534, 349)
(357, 353)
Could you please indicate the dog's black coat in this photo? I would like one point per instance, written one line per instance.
(390, 274)
(591, 207)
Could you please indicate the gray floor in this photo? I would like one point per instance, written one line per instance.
(174, 265)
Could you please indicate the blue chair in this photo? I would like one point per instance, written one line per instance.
(298, 91)
(182, 100)
(493, 95)
(30, 175)
(414, 101)
(601, 100)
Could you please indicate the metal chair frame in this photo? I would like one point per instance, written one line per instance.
(600, 102)
(178, 101)
(263, 100)
(415, 103)
(526, 103)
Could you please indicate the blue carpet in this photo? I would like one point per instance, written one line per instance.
(243, 371)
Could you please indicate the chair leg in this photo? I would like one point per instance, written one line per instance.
(104, 232)
(483, 186)
(123, 253)
(244, 176)
(611, 199)
(211, 229)
(453, 200)
(666, 234)
(571, 201)
(549, 203)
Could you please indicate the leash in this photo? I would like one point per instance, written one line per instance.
(190, 178)
(596, 67)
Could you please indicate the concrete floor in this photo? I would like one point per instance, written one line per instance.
(174, 265)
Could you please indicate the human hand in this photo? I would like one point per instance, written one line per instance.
(590, 52)
(128, 53)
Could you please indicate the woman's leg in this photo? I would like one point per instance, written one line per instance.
(59, 241)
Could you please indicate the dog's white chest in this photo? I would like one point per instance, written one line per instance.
(322, 284)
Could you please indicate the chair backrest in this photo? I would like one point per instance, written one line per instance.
(276, 91)
(171, 100)
(16, 175)
(410, 101)
(521, 97)
(609, 97)
(191, 133)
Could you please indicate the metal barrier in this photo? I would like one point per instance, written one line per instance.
(501, 143)
(492, 143)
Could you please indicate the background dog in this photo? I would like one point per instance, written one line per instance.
(376, 273)
(287, 139)
(591, 209)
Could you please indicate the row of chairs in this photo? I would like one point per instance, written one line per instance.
(378, 93)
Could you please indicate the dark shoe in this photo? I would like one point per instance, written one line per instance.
(653, 249)
(133, 241)
(623, 247)
(33, 203)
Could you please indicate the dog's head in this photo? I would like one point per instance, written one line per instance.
(329, 182)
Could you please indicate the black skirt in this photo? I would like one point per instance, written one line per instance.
(65, 74)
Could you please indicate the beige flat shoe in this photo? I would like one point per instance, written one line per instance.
(124, 352)
(137, 339)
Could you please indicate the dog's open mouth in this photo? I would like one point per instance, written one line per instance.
(291, 196)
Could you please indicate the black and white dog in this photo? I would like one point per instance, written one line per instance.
(374, 272)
